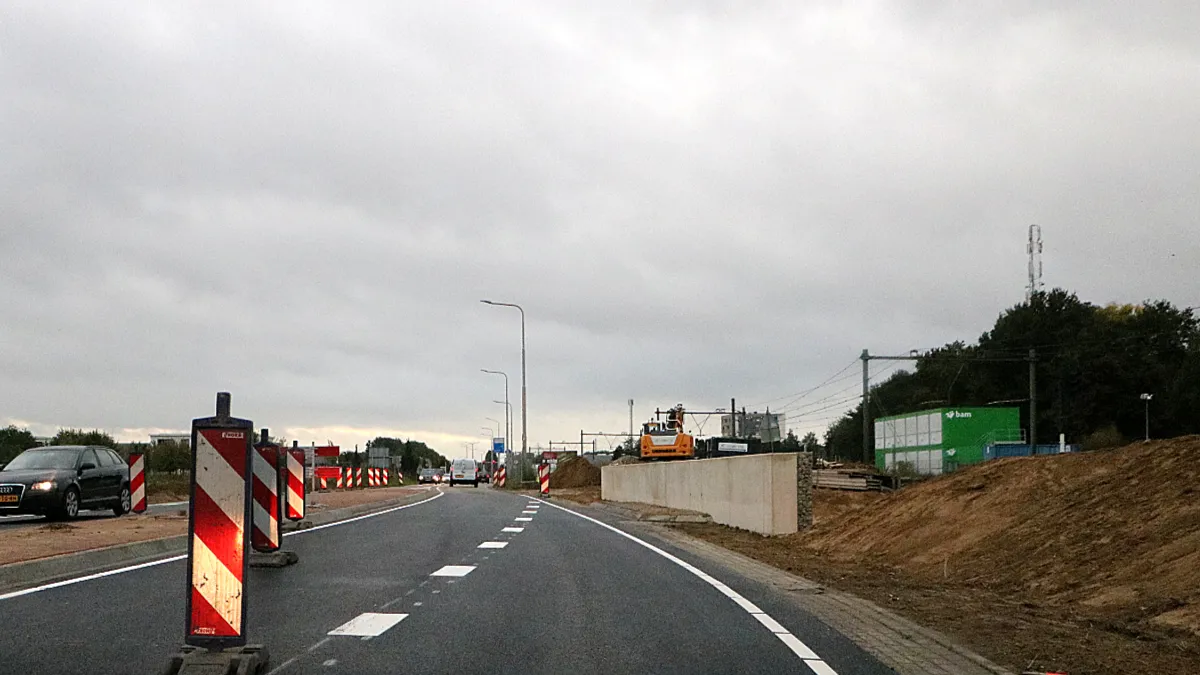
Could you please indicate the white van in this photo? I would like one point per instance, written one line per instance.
(464, 471)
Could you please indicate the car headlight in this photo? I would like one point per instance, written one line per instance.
(42, 486)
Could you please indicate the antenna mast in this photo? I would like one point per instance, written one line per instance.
(1035, 262)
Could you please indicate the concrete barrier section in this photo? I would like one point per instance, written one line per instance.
(756, 493)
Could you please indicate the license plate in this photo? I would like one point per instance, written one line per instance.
(9, 499)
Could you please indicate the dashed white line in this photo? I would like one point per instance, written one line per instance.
(529, 513)
(493, 544)
(453, 571)
(814, 662)
(523, 520)
(368, 624)
(513, 529)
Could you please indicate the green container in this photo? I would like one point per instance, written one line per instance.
(937, 440)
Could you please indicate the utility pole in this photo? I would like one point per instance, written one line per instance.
(866, 407)
(1033, 400)
(631, 420)
(733, 417)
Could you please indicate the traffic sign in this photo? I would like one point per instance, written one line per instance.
(497, 445)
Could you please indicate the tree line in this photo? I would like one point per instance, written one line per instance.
(1093, 363)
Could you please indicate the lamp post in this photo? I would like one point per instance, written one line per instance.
(1146, 398)
(507, 412)
(524, 396)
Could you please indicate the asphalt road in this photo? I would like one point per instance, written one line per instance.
(565, 594)
(19, 521)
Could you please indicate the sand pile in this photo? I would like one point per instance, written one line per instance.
(574, 472)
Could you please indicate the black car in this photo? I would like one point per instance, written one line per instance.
(58, 481)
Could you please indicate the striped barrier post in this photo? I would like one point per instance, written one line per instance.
(295, 484)
(265, 537)
(218, 540)
(358, 478)
(324, 485)
(544, 478)
(500, 477)
(387, 477)
(137, 482)
(349, 475)
(372, 477)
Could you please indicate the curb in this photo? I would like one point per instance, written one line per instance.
(20, 575)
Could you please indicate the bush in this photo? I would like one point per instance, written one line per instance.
(905, 470)
(1105, 437)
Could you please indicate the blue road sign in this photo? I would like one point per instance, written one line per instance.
(497, 445)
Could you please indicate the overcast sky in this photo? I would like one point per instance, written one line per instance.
(303, 203)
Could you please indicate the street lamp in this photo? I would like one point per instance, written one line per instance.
(507, 411)
(524, 397)
(1146, 398)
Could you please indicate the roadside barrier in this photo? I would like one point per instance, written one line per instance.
(219, 542)
(265, 537)
(387, 479)
(295, 484)
(544, 478)
(348, 474)
(373, 477)
(137, 482)
(500, 477)
(358, 478)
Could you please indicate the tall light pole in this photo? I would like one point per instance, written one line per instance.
(497, 424)
(524, 396)
(1146, 398)
(507, 413)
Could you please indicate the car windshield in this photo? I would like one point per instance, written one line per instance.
(44, 459)
(463, 465)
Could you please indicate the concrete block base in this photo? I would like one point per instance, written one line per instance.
(292, 526)
(248, 660)
(278, 558)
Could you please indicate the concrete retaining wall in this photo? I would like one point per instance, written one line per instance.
(757, 492)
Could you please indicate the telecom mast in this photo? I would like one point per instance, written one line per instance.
(1035, 262)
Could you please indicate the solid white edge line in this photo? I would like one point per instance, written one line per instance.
(153, 563)
(794, 643)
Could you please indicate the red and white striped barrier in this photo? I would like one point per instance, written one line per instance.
(358, 478)
(324, 485)
(265, 537)
(217, 560)
(500, 477)
(295, 484)
(347, 478)
(544, 478)
(387, 478)
(137, 482)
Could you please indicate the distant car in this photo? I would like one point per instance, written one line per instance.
(428, 476)
(464, 471)
(60, 480)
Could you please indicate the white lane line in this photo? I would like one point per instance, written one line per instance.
(814, 662)
(513, 529)
(493, 544)
(153, 563)
(529, 513)
(523, 520)
(149, 504)
(453, 571)
(368, 624)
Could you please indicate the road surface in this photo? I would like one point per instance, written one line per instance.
(469, 580)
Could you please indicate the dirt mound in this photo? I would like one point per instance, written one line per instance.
(1116, 529)
(626, 459)
(574, 472)
(1085, 563)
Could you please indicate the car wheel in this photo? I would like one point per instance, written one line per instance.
(125, 505)
(475, 484)
(70, 505)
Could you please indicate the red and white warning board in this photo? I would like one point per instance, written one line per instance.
(218, 538)
(265, 536)
(137, 482)
(295, 485)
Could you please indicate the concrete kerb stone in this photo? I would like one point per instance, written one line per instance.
(908, 648)
(19, 575)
